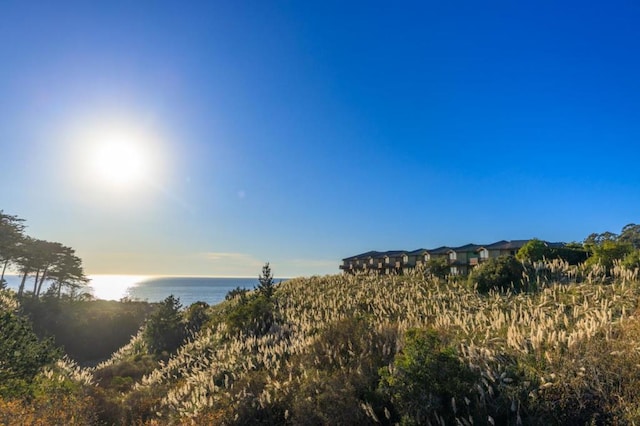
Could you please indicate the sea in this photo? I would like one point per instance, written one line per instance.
(189, 290)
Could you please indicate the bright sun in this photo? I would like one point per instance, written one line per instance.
(120, 162)
(119, 158)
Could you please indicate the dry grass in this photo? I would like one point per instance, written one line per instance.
(572, 347)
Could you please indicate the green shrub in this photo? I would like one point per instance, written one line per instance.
(534, 251)
(196, 316)
(632, 260)
(607, 252)
(437, 267)
(236, 292)
(252, 315)
(424, 379)
(22, 354)
(500, 273)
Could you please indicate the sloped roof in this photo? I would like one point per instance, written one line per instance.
(440, 250)
(467, 247)
(506, 245)
(498, 245)
(362, 255)
(417, 252)
(393, 253)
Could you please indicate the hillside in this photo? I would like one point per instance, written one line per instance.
(366, 350)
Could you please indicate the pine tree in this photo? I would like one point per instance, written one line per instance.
(266, 287)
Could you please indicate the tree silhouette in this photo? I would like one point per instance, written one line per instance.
(11, 233)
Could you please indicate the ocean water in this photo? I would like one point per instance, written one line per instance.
(211, 290)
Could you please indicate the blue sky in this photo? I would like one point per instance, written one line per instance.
(300, 133)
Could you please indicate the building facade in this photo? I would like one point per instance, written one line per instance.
(461, 260)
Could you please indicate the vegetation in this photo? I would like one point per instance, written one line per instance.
(253, 314)
(499, 273)
(165, 330)
(426, 378)
(367, 350)
(607, 248)
(89, 331)
(536, 250)
(266, 285)
(437, 267)
(48, 261)
(22, 354)
(531, 342)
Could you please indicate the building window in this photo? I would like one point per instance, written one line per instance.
(454, 270)
(405, 258)
(484, 254)
(426, 257)
(452, 255)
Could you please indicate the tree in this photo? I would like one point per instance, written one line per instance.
(11, 233)
(164, 330)
(498, 273)
(67, 271)
(45, 254)
(266, 285)
(26, 261)
(630, 234)
(597, 239)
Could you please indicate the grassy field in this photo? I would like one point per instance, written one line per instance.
(385, 350)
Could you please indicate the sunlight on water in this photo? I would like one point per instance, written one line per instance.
(114, 287)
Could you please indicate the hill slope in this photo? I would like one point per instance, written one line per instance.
(366, 350)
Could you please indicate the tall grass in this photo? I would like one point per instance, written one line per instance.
(535, 353)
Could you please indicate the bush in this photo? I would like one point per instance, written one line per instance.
(424, 379)
(500, 273)
(344, 361)
(606, 253)
(22, 354)
(632, 260)
(196, 316)
(237, 292)
(534, 251)
(252, 315)
(437, 267)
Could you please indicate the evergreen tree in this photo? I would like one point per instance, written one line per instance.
(266, 285)
(165, 330)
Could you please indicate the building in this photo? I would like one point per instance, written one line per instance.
(461, 259)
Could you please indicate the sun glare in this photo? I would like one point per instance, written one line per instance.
(121, 158)
(114, 287)
(120, 162)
